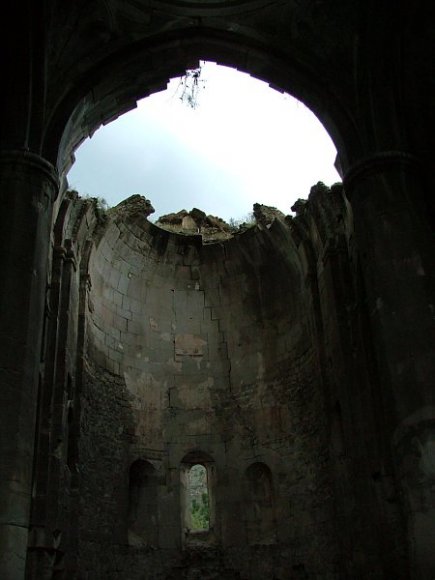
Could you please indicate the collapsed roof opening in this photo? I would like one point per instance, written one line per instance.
(244, 143)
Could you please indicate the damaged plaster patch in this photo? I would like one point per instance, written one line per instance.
(176, 365)
(189, 345)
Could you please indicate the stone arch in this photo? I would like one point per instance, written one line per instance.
(113, 87)
(143, 504)
(259, 504)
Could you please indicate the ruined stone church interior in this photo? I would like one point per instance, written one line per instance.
(187, 400)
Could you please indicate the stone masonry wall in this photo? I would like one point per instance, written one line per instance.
(205, 349)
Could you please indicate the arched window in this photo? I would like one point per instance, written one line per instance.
(143, 504)
(197, 498)
(259, 498)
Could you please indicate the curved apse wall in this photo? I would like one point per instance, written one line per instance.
(186, 323)
(213, 345)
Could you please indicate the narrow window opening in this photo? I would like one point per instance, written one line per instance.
(198, 483)
(198, 499)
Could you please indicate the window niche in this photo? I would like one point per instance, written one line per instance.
(143, 521)
(259, 502)
(197, 498)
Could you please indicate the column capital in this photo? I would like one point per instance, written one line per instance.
(28, 186)
(378, 162)
(24, 158)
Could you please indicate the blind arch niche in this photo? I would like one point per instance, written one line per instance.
(143, 520)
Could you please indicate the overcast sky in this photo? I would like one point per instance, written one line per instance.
(244, 143)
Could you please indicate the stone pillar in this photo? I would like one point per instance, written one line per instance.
(28, 186)
(397, 253)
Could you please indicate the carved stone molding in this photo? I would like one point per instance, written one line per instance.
(377, 163)
(22, 158)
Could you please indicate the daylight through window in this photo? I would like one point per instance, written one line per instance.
(198, 498)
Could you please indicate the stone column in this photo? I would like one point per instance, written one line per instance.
(397, 253)
(28, 186)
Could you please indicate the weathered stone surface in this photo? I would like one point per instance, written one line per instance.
(211, 228)
(214, 354)
(134, 206)
(315, 335)
(265, 214)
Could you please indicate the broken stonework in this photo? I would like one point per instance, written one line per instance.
(225, 355)
(265, 214)
(211, 228)
(294, 359)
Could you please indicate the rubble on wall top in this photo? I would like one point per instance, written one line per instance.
(211, 228)
(135, 205)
